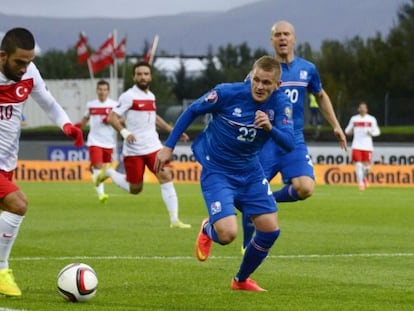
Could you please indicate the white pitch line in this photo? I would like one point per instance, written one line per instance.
(303, 256)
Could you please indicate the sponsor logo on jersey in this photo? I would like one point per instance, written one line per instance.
(143, 105)
(17, 92)
(237, 112)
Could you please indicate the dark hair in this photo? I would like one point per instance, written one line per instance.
(140, 64)
(102, 82)
(17, 38)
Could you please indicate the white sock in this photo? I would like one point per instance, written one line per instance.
(100, 189)
(366, 170)
(359, 171)
(9, 228)
(170, 199)
(118, 179)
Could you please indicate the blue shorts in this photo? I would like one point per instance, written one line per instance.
(290, 164)
(249, 191)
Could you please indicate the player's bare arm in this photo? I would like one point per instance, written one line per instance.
(117, 123)
(329, 114)
(163, 125)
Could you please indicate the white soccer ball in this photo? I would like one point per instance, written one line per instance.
(77, 282)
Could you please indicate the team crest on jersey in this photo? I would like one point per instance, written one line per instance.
(303, 75)
(212, 97)
(237, 112)
(215, 207)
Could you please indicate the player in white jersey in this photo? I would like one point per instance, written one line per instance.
(141, 141)
(19, 78)
(363, 127)
(102, 136)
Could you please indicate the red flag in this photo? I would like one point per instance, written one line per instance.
(149, 57)
(120, 51)
(103, 57)
(82, 48)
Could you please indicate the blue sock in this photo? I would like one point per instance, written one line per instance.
(212, 234)
(256, 252)
(248, 229)
(286, 194)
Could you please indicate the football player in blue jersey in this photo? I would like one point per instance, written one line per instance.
(244, 116)
(299, 77)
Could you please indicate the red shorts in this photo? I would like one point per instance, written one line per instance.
(135, 166)
(6, 184)
(361, 155)
(100, 155)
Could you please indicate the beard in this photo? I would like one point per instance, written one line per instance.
(9, 74)
(143, 85)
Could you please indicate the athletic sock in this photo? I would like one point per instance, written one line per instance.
(118, 179)
(211, 232)
(359, 171)
(100, 188)
(286, 194)
(9, 228)
(255, 253)
(170, 199)
(248, 229)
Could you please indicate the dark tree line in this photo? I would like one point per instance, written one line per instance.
(378, 70)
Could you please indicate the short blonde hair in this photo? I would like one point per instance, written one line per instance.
(275, 25)
(269, 64)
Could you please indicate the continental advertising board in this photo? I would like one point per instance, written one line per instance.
(394, 166)
(189, 172)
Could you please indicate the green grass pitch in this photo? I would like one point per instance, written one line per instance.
(342, 249)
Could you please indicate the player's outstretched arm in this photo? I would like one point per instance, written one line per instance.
(328, 112)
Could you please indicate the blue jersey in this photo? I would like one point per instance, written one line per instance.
(231, 141)
(298, 78)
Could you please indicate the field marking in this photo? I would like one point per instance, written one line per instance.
(309, 256)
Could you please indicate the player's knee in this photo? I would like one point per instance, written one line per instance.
(226, 236)
(165, 176)
(136, 188)
(16, 203)
(305, 191)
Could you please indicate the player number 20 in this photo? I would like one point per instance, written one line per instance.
(247, 134)
(293, 95)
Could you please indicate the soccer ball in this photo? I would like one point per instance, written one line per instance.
(77, 282)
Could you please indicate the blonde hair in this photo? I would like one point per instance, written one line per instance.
(277, 24)
(269, 64)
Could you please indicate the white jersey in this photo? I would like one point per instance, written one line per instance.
(360, 126)
(139, 110)
(13, 96)
(100, 134)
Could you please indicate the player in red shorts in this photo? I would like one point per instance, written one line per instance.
(363, 127)
(102, 137)
(141, 141)
(19, 78)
